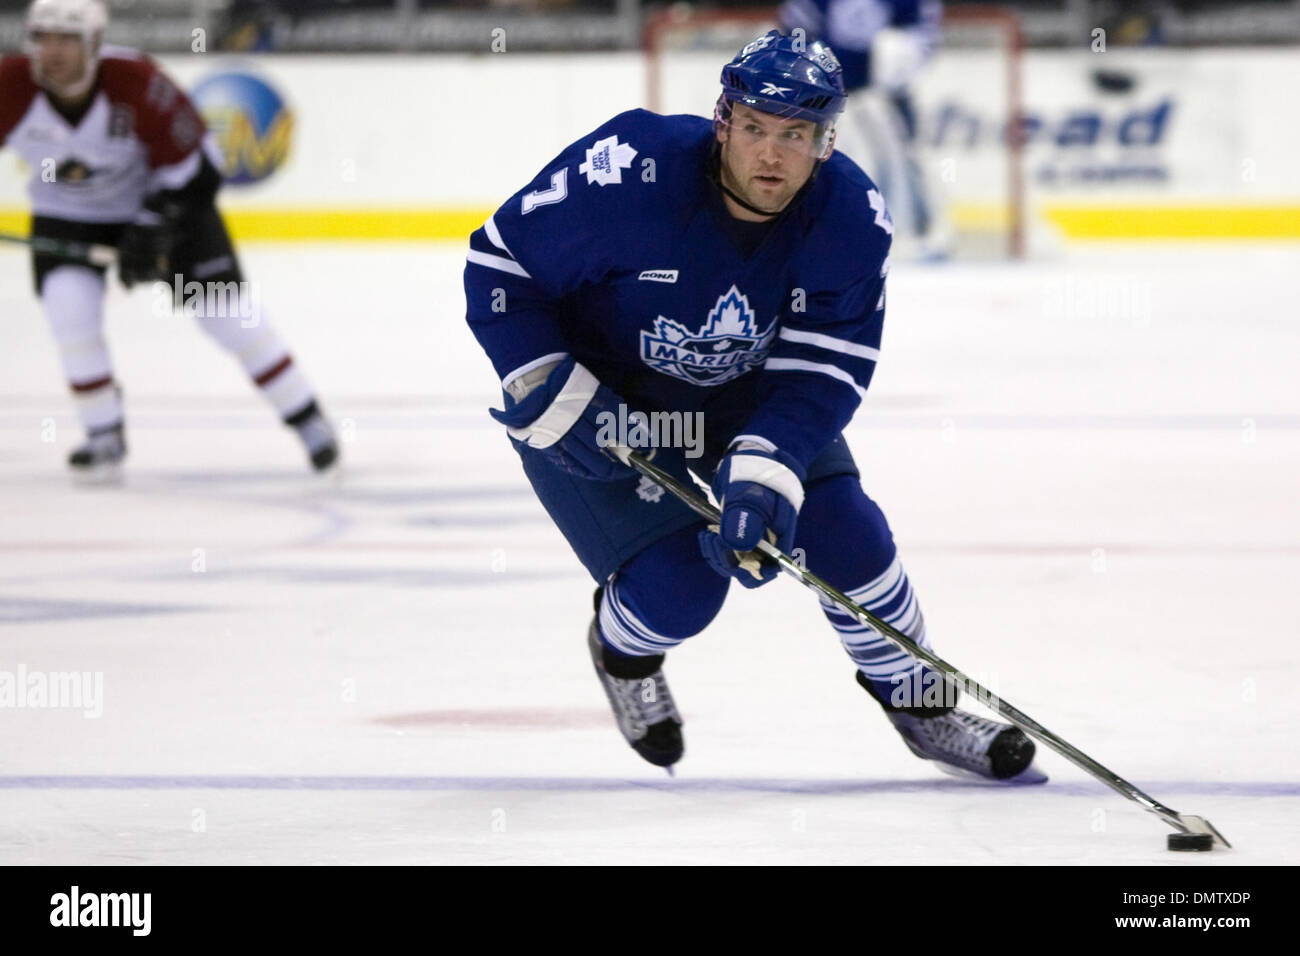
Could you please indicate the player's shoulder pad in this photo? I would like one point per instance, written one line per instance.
(607, 172)
(165, 119)
(629, 147)
(16, 76)
(17, 90)
(652, 129)
(847, 212)
(125, 74)
(14, 68)
(848, 189)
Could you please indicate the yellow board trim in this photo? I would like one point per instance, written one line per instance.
(317, 224)
(454, 224)
(333, 225)
(1175, 222)
(15, 221)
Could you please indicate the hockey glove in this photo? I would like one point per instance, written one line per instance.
(761, 492)
(144, 249)
(558, 418)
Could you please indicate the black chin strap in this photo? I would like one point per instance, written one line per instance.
(715, 175)
(744, 205)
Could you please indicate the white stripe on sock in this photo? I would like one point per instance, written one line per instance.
(99, 408)
(877, 656)
(625, 632)
(288, 392)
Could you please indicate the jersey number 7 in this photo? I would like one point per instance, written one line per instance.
(546, 197)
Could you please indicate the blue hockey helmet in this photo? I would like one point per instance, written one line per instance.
(787, 77)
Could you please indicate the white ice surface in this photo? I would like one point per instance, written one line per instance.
(1090, 468)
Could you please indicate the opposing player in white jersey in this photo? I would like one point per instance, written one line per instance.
(119, 157)
(884, 45)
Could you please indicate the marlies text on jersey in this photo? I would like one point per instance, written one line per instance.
(728, 344)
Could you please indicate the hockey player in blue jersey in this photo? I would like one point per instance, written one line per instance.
(731, 272)
(881, 115)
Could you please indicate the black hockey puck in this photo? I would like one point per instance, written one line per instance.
(1190, 841)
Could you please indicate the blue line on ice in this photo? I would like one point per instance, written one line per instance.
(1245, 788)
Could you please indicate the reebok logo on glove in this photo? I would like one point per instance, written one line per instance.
(761, 490)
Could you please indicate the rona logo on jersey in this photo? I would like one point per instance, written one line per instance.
(726, 346)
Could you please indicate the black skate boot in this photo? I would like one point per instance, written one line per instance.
(643, 706)
(317, 435)
(962, 744)
(100, 457)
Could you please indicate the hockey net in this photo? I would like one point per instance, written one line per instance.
(966, 102)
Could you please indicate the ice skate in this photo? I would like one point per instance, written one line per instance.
(317, 436)
(642, 704)
(99, 459)
(963, 744)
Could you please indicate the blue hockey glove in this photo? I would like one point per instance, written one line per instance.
(761, 492)
(558, 420)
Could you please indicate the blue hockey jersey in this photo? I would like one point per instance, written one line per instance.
(850, 27)
(618, 253)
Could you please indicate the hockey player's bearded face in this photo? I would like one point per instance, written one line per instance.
(62, 58)
(765, 159)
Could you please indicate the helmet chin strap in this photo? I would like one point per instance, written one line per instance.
(715, 174)
(744, 205)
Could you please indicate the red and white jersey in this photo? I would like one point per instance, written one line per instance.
(140, 134)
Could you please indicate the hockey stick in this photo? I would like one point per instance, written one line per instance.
(90, 253)
(1183, 822)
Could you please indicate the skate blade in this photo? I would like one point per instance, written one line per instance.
(1030, 776)
(331, 476)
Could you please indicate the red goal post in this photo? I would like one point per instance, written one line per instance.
(979, 57)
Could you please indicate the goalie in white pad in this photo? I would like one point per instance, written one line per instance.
(883, 45)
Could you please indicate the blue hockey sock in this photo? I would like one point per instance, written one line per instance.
(661, 597)
(848, 542)
(896, 678)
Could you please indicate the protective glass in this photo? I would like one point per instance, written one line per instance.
(778, 123)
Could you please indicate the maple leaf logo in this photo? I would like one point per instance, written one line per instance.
(606, 160)
(671, 331)
(727, 345)
(731, 316)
